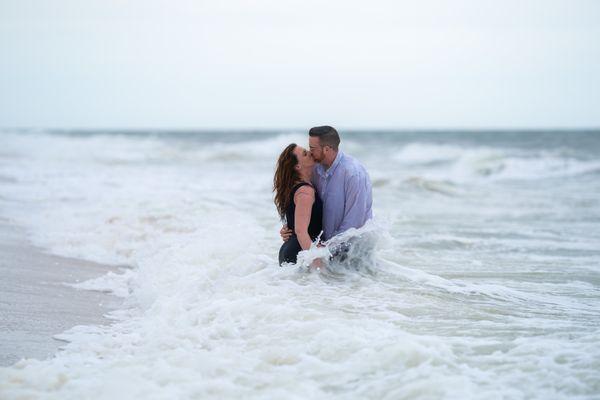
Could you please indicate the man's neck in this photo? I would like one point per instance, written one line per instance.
(328, 163)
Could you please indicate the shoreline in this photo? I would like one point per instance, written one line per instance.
(35, 302)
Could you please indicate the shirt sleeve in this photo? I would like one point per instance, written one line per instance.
(355, 206)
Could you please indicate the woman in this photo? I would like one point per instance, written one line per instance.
(297, 201)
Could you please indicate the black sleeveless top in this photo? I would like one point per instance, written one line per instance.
(316, 216)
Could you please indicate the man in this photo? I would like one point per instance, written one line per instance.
(342, 183)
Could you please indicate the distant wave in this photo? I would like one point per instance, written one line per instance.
(454, 163)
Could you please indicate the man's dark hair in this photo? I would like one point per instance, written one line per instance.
(327, 135)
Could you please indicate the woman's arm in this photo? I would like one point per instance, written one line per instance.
(303, 199)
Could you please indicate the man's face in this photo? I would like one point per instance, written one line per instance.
(314, 145)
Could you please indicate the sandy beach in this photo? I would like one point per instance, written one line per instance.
(35, 301)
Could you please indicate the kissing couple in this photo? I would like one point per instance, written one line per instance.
(320, 191)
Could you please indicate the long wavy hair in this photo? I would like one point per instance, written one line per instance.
(286, 176)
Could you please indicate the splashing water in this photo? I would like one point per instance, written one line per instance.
(479, 278)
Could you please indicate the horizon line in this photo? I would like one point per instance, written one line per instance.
(279, 129)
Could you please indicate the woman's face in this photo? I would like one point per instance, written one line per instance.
(305, 159)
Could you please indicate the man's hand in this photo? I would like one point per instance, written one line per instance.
(285, 233)
(317, 265)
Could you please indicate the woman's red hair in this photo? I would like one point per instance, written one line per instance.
(286, 176)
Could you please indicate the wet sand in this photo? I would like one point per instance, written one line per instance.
(35, 303)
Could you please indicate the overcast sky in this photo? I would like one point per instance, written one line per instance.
(278, 64)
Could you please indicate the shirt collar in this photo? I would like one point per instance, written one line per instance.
(325, 173)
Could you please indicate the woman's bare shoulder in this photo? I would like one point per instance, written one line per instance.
(306, 191)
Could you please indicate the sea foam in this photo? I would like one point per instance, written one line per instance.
(477, 279)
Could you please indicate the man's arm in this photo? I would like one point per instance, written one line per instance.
(285, 233)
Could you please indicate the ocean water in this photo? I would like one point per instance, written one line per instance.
(484, 282)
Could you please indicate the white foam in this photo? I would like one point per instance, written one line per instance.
(113, 283)
(465, 164)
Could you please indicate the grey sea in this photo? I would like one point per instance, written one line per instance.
(484, 283)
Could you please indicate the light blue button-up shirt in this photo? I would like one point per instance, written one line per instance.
(345, 189)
